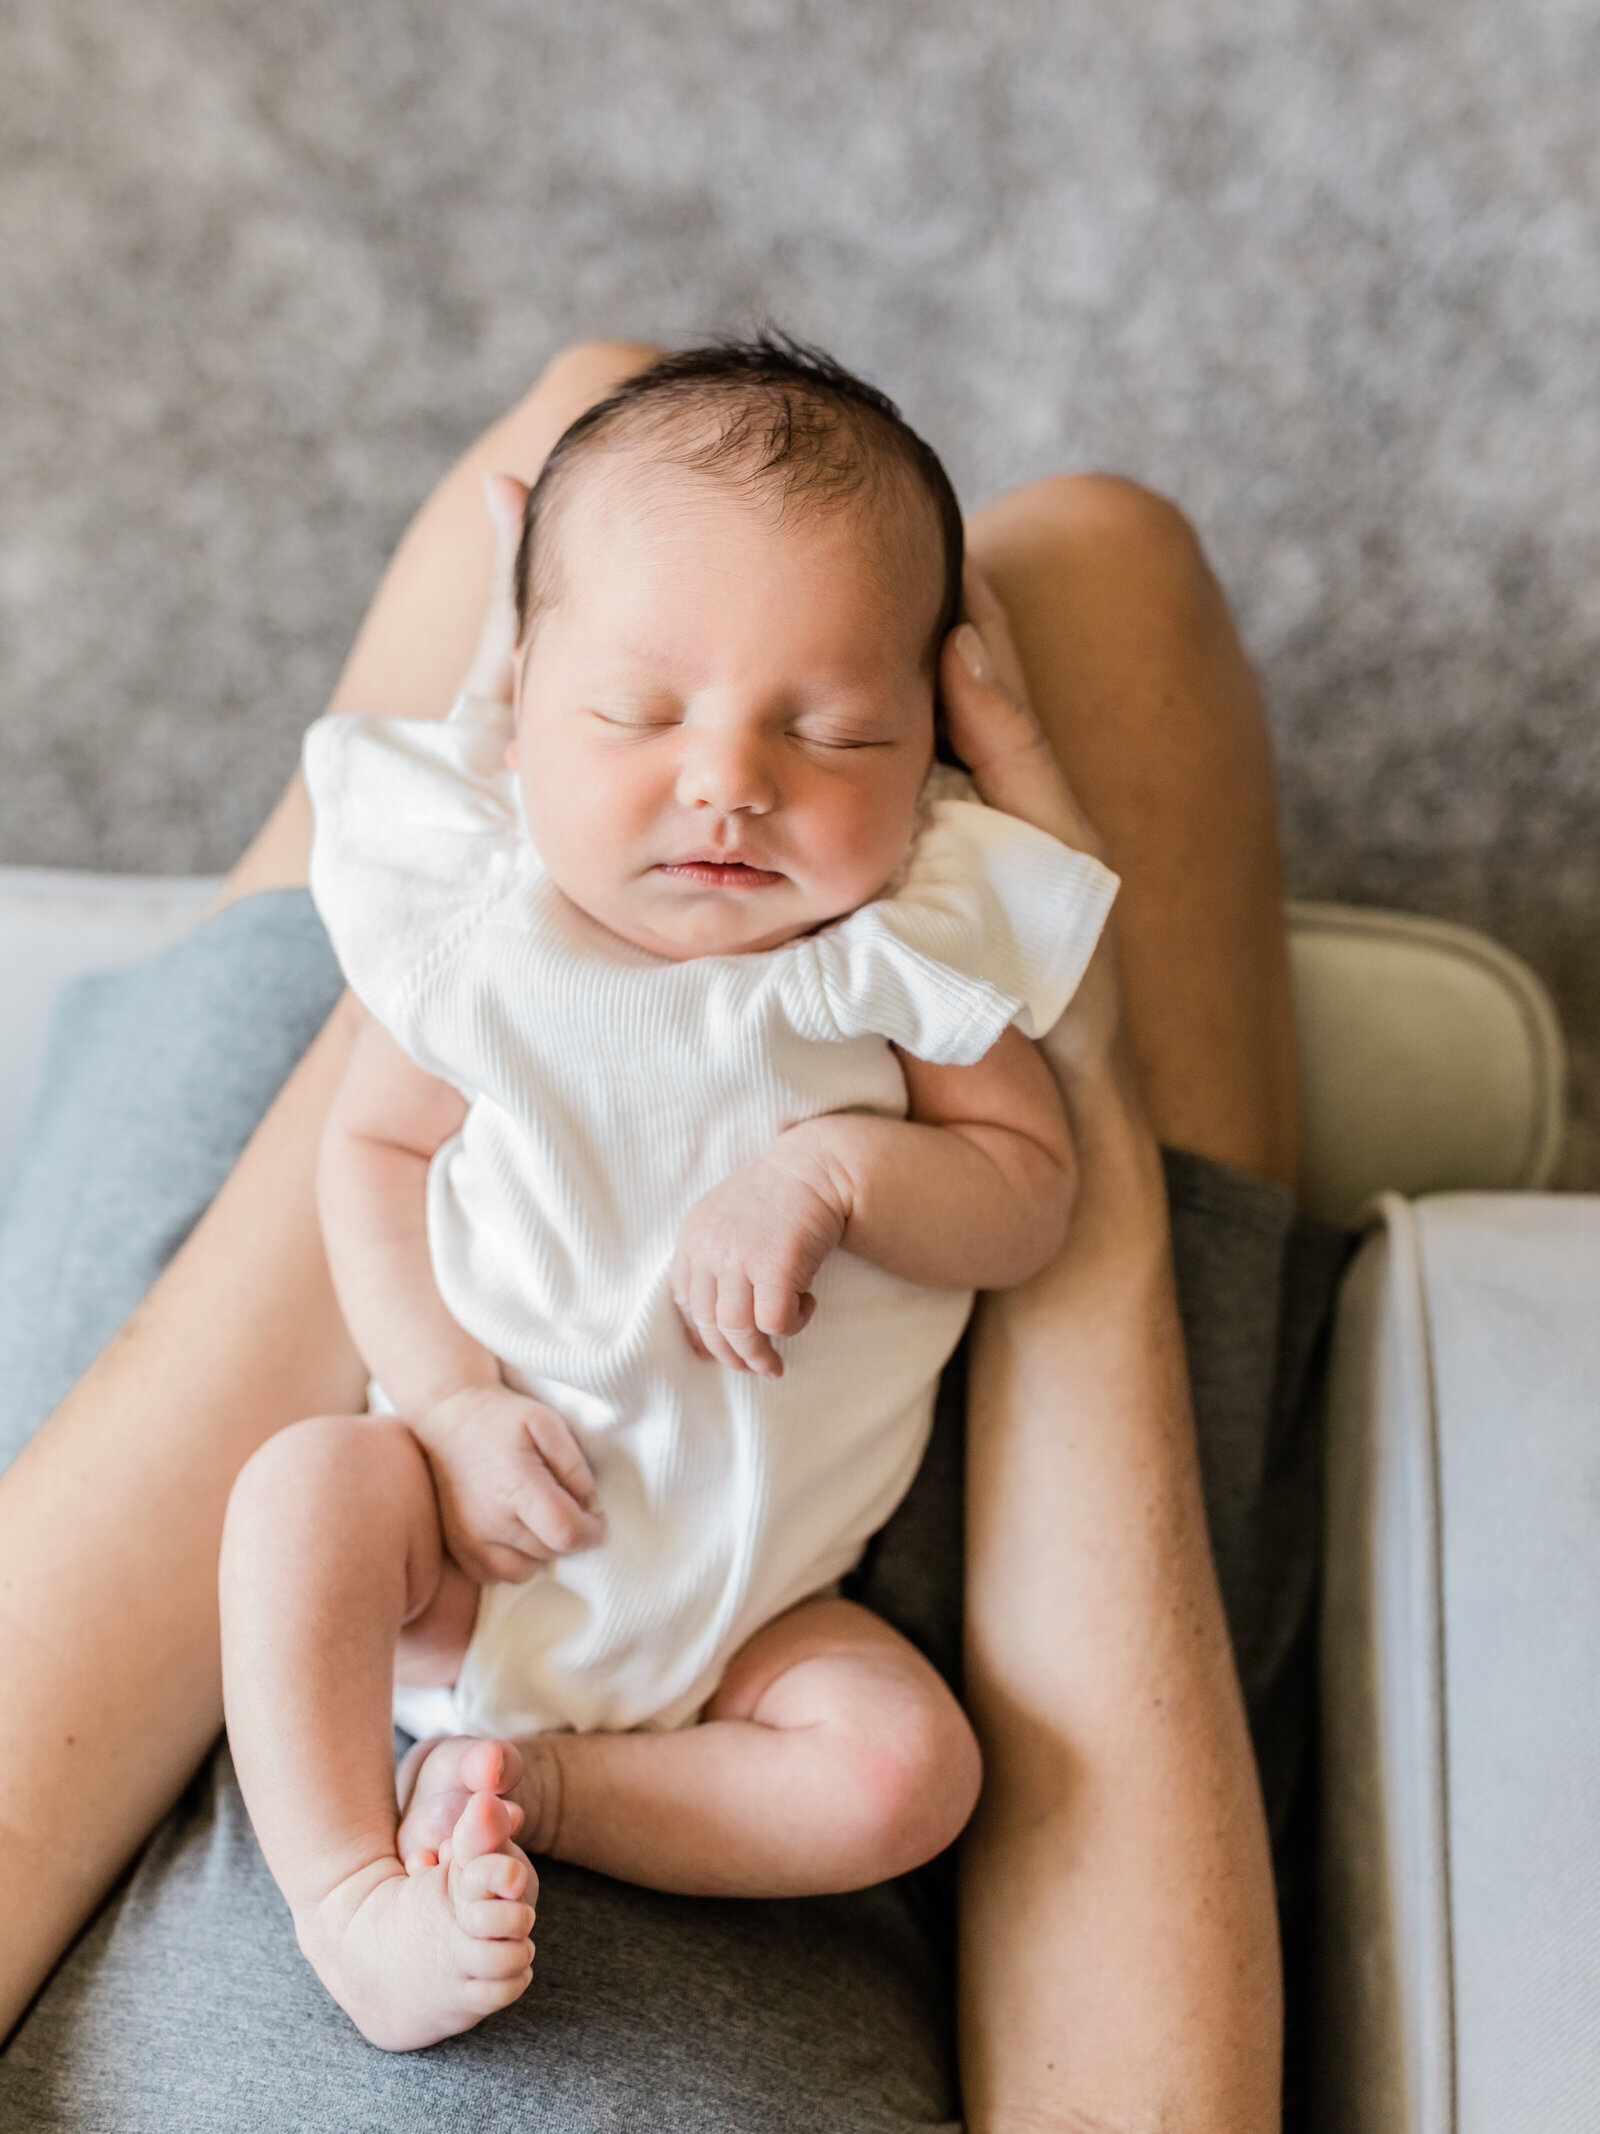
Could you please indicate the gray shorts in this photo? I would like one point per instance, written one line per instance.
(186, 2007)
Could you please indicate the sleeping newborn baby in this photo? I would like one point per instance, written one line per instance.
(694, 1099)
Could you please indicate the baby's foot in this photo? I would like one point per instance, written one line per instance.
(418, 1953)
(436, 1781)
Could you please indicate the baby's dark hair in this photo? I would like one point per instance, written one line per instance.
(770, 414)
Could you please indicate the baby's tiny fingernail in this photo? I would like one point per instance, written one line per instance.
(974, 653)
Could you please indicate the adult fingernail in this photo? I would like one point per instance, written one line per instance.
(974, 653)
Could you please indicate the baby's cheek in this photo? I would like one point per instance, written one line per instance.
(593, 835)
(860, 847)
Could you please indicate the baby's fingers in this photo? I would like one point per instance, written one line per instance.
(736, 1322)
(495, 1557)
(559, 1449)
(499, 1564)
(556, 1522)
(781, 1309)
(698, 1296)
(753, 1350)
(692, 1333)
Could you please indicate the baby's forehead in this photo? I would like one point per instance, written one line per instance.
(650, 480)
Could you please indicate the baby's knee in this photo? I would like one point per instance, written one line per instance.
(321, 1470)
(917, 1782)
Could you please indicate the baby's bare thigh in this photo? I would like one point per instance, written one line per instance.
(433, 1645)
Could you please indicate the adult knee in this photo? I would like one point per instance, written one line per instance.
(1070, 510)
(587, 370)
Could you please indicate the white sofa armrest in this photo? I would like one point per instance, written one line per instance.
(1460, 1918)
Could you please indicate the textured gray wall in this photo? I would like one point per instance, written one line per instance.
(1328, 271)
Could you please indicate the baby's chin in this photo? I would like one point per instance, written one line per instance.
(679, 929)
(680, 940)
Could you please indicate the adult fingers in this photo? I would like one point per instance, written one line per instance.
(505, 499)
(490, 673)
(983, 610)
(993, 727)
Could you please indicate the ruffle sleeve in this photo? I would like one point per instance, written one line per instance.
(992, 922)
(417, 828)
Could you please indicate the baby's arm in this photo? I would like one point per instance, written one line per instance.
(971, 1191)
(513, 1487)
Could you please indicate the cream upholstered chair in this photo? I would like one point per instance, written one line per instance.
(1461, 1624)
(1460, 1901)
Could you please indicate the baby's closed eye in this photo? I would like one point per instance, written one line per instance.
(636, 719)
(833, 732)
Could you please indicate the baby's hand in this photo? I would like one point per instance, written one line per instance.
(513, 1488)
(747, 1255)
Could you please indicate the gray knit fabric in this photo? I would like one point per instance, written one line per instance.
(152, 1081)
(186, 2005)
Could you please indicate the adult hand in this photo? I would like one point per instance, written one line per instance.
(999, 738)
(489, 673)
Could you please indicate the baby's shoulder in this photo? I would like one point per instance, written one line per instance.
(988, 922)
(417, 834)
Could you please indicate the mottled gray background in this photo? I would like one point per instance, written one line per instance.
(1325, 270)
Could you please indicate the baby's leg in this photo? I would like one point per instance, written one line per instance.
(831, 1757)
(332, 1548)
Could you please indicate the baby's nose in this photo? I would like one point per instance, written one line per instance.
(730, 772)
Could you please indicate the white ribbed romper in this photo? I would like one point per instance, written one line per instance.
(607, 1090)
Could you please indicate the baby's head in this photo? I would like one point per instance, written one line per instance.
(735, 580)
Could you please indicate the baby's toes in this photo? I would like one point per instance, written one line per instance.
(437, 1780)
(507, 1874)
(485, 1825)
(493, 1962)
(487, 1996)
(490, 1767)
(496, 1919)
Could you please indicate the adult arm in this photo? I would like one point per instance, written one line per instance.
(1119, 1958)
(110, 1521)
